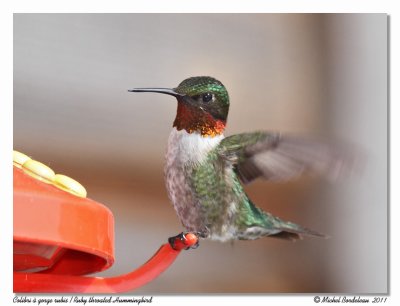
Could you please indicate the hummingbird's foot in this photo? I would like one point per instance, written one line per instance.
(185, 241)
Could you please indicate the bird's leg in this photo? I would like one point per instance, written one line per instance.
(188, 240)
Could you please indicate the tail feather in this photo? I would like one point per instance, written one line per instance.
(288, 230)
(265, 224)
(285, 230)
(296, 232)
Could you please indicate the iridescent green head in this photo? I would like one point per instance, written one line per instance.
(203, 105)
(208, 94)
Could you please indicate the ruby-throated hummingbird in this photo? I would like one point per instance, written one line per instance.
(204, 170)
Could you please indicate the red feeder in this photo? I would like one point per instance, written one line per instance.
(60, 237)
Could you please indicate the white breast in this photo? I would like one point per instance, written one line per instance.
(190, 148)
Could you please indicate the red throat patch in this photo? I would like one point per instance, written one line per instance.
(193, 119)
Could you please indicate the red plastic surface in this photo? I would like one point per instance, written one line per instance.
(61, 237)
(58, 232)
(40, 282)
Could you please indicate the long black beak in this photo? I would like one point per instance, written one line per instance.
(166, 91)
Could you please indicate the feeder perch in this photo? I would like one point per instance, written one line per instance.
(60, 236)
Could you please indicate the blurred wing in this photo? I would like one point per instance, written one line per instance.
(279, 158)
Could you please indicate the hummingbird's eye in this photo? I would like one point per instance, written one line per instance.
(207, 97)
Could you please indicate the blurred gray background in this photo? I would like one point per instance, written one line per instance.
(300, 73)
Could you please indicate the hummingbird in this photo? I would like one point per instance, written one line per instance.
(205, 172)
